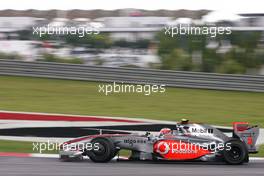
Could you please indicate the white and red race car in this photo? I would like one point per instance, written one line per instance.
(188, 141)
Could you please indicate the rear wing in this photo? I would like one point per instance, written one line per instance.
(248, 134)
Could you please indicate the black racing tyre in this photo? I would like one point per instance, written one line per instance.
(236, 153)
(104, 152)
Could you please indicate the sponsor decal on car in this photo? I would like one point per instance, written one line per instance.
(131, 142)
(178, 150)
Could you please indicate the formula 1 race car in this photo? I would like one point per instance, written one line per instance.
(188, 141)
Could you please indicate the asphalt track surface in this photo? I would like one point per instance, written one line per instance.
(12, 166)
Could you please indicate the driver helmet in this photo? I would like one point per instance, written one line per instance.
(184, 121)
(165, 131)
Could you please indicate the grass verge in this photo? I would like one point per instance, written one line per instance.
(261, 151)
(20, 147)
(82, 97)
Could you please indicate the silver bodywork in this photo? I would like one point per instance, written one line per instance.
(142, 145)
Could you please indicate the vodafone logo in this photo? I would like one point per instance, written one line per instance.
(163, 148)
(178, 150)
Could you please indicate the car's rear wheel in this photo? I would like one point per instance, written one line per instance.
(104, 152)
(236, 152)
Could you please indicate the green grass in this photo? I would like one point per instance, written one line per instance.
(125, 152)
(21, 147)
(261, 151)
(81, 97)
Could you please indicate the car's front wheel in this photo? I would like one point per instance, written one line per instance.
(103, 151)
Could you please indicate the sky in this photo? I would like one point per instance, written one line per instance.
(231, 6)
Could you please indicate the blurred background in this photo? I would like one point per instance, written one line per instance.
(135, 38)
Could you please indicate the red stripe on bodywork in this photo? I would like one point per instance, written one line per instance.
(50, 117)
(15, 154)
